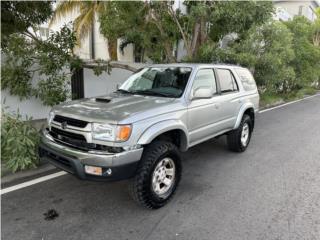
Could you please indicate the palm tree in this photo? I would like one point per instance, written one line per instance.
(84, 22)
(316, 32)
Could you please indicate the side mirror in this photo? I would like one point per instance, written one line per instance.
(202, 93)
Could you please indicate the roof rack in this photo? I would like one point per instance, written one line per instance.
(227, 64)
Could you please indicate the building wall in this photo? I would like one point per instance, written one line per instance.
(295, 8)
(32, 107)
(103, 84)
(127, 55)
(100, 44)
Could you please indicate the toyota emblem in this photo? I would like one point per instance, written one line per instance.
(64, 125)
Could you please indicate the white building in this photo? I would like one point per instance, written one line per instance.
(286, 10)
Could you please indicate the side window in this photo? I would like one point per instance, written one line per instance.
(205, 78)
(247, 79)
(227, 81)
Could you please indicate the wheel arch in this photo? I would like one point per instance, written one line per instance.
(245, 109)
(171, 130)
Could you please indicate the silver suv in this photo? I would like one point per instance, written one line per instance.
(139, 131)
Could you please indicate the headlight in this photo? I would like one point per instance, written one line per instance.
(50, 117)
(108, 132)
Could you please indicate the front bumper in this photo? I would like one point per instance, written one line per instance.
(123, 165)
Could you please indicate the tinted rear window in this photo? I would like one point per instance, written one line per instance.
(247, 79)
(227, 81)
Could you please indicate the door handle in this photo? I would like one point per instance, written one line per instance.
(216, 105)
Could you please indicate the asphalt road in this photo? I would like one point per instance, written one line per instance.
(272, 191)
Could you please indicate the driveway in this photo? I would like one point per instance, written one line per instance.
(271, 191)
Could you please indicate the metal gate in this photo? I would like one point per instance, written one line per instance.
(77, 84)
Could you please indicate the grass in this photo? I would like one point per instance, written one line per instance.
(268, 99)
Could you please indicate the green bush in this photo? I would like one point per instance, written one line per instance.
(53, 90)
(19, 141)
(306, 63)
(50, 63)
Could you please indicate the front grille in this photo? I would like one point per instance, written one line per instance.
(60, 133)
(79, 141)
(70, 121)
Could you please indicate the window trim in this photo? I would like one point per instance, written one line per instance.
(235, 79)
(218, 92)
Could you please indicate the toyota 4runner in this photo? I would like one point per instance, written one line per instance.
(139, 131)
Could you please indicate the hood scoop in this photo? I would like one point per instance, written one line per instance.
(104, 100)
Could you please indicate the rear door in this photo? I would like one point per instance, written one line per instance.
(229, 96)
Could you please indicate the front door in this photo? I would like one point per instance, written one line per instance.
(204, 115)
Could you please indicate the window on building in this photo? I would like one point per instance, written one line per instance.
(227, 81)
(44, 32)
(300, 10)
(205, 78)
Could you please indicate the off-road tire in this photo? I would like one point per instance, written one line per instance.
(234, 137)
(140, 186)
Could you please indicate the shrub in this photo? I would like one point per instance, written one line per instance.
(53, 90)
(19, 141)
(306, 63)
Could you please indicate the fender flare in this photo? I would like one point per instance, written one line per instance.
(241, 112)
(164, 126)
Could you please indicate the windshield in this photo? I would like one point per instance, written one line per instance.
(158, 81)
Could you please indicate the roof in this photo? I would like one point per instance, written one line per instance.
(195, 65)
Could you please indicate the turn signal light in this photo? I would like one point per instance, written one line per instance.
(124, 132)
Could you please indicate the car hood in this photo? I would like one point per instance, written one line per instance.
(115, 108)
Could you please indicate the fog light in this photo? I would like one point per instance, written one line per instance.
(109, 171)
(93, 170)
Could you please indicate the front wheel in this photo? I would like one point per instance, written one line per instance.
(239, 139)
(158, 175)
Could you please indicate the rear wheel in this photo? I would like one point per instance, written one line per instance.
(158, 175)
(239, 139)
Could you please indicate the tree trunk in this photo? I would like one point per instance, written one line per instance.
(168, 51)
(195, 37)
(112, 48)
(203, 31)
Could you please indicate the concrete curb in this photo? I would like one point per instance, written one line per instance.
(282, 102)
(18, 177)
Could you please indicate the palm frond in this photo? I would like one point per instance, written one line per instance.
(83, 23)
(64, 8)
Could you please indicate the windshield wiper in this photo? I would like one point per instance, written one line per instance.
(124, 91)
(152, 93)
